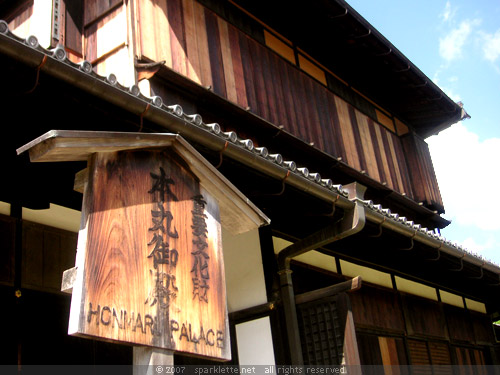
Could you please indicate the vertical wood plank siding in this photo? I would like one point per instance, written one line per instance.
(202, 46)
(423, 177)
(19, 21)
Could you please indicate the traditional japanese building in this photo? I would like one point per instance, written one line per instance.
(306, 109)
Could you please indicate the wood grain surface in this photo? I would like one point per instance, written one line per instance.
(150, 267)
(212, 52)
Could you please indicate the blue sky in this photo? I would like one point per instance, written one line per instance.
(456, 43)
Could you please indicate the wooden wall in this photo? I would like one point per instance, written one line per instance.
(398, 328)
(377, 307)
(238, 65)
(381, 350)
(197, 43)
(7, 249)
(432, 332)
(19, 20)
(106, 29)
(46, 253)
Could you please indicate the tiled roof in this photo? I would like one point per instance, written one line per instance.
(375, 212)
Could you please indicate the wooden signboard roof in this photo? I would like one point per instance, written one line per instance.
(238, 214)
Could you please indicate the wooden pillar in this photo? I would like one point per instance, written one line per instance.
(147, 360)
(292, 326)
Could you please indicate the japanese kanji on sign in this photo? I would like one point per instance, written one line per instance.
(149, 268)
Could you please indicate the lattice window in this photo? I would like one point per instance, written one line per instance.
(321, 332)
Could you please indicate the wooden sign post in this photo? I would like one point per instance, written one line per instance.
(149, 267)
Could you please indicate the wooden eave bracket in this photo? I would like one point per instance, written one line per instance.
(238, 213)
(147, 70)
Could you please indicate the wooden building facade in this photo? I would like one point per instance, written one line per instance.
(325, 136)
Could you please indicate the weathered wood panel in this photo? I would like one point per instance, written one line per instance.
(377, 308)
(459, 324)
(423, 317)
(73, 26)
(466, 358)
(419, 357)
(97, 8)
(483, 328)
(383, 350)
(106, 35)
(430, 357)
(204, 47)
(440, 358)
(379, 150)
(154, 23)
(150, 267)
(399, 158)
(47, 253)
(19, 21)
(369, 351)
(116, 63)
(422, 174)
(347, 134)
(177, 37)
(7, 249)
(193, 63)
(215, 54)
(393, 352)
(367, 147)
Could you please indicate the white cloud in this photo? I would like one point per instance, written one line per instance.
(435, 77)
(447, 12)
(451, 46)
(452, 94)
(478, 247)
(491, 45)
(468, 176)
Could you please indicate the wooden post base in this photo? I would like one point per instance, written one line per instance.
(151, 361)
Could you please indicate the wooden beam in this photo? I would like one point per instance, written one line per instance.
(80, 180)
(252, 312)
(68, 279)
(349, 285)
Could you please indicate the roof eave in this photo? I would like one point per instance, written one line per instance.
(121, 96)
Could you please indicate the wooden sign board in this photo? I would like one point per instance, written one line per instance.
(150, 267)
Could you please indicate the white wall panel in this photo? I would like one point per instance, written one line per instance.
(255, 342)
(245, 282)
